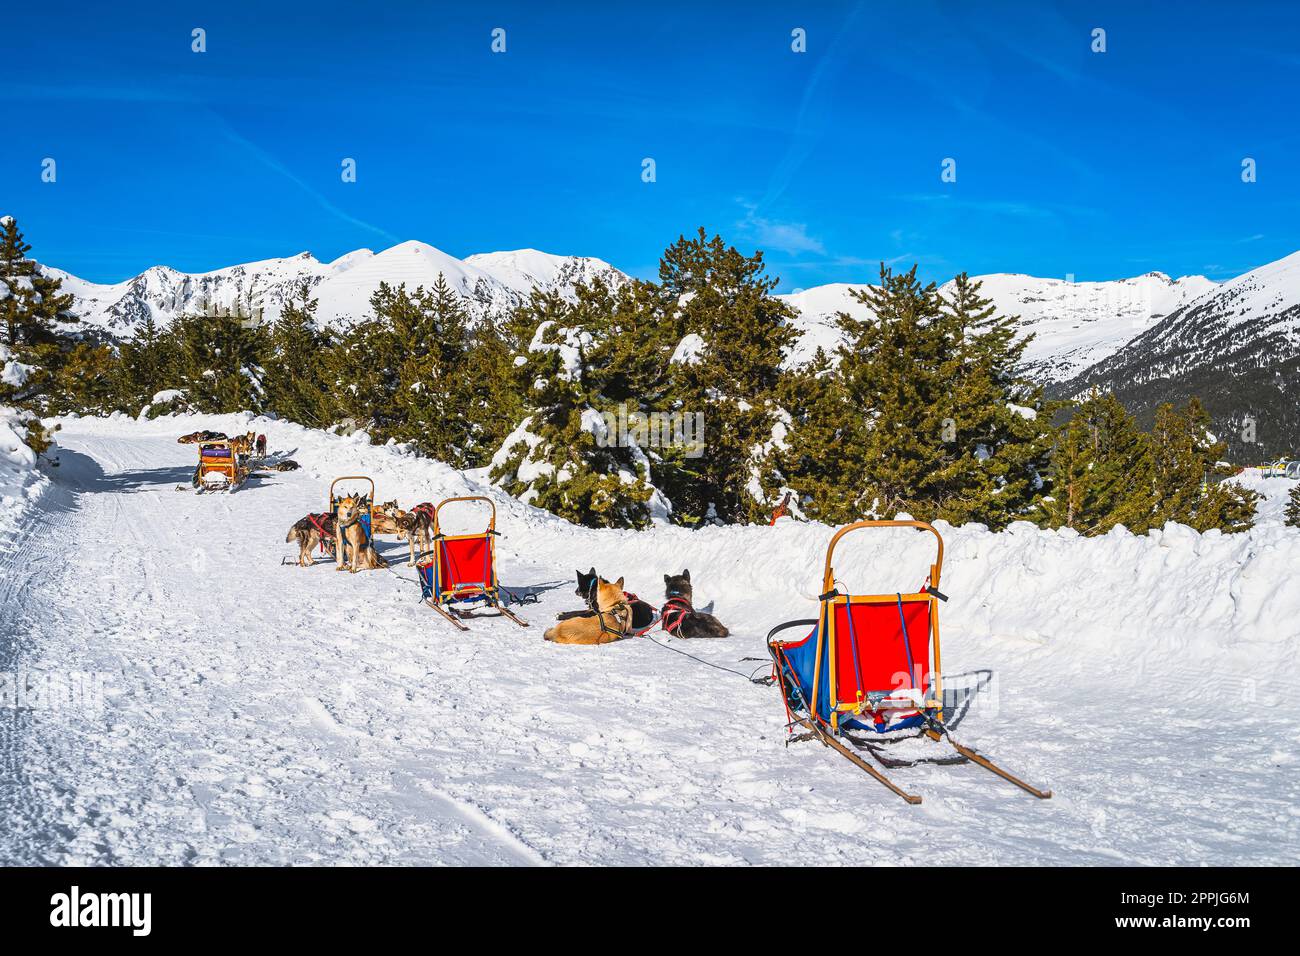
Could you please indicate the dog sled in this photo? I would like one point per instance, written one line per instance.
(221, 467)
(869, 671)
(462, 570)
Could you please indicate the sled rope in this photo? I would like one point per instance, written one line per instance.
(764, 682)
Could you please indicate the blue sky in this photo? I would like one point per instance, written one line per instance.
(1068, 161)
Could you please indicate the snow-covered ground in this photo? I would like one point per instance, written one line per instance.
(255, 712)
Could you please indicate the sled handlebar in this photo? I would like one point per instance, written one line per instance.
(492, 521)
(829, 577)
(365, 478)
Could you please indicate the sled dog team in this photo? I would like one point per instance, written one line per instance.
(610, 613)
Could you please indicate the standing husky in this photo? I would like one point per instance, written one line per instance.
(416, 525)
(411, 525)
(612, 620)
(680, 619)
(309, 532)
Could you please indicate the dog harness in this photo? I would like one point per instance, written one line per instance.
(674, 612)
(318, 521)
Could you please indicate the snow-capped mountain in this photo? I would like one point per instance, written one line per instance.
(1237, 348)
(492, 282)
(1075, 324)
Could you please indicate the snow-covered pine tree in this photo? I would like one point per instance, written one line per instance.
(584, 358)
(1293, 507)
(823, 447)
(32, 347)
(217, 361)
(1184, 455)
(735, 334)
(488, 397)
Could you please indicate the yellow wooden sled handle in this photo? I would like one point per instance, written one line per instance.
(437, 514)
(352, 478)
(828, 581)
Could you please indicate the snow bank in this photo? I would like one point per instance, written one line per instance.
(20, 482)
(1129, 603)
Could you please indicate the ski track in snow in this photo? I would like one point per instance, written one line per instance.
(260, 713)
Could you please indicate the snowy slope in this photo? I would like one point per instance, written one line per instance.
(1074, 324)
(260, 713)
(1236, 347)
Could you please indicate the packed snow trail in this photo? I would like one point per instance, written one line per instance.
(263, 713)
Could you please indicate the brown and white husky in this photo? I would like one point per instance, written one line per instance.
(413, 526)
(612, 620)
(351, 538)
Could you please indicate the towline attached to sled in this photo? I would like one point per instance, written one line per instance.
(871, 664)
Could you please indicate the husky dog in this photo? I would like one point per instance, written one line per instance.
(287, 465)
(412, 526)
(194, 438)
(243, 444)
(260, 446)
(416, 526)
(612, 620)
(643, 614)
(351, 538)
(308, 532)
(680, 619)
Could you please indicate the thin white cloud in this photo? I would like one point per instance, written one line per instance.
(788, 237)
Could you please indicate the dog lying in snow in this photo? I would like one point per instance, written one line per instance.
(643, 614)
(611, 621)
(680, 619)
(194, 438)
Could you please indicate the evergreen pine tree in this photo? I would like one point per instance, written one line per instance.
(218, 361)
(146, 365)
(1102, 471)
(296, 379)
(1184, 456)
(897, 369)
(32, 309)
(822, 452)
(1293, 507)
(710, 290)
(998, 439)
(585, 358)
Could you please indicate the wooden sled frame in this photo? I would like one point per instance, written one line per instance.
(828, 731)
(445, 594)
(229, 466)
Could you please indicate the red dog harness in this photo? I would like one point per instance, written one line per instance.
(674, 610)
(318, 520)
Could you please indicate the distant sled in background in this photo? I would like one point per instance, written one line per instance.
(871, 664)
(462, 571)
(221, 466)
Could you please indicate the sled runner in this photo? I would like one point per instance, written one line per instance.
(462, 571)
(221, 468)
(871, 665)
